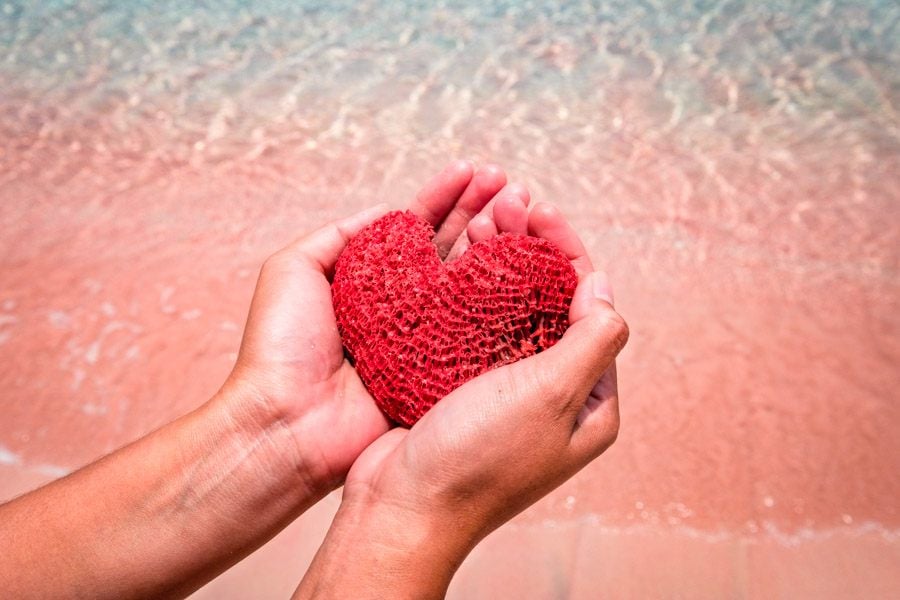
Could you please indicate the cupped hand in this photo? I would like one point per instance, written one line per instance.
(291, 362)
(501, 441)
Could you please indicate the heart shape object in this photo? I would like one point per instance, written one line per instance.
(417, 328)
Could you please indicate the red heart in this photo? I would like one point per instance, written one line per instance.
(418, 328)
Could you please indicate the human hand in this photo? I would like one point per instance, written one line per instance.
(417, 501)
(190, 499)
(291, 369)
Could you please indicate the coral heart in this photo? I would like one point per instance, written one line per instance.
(418, 328)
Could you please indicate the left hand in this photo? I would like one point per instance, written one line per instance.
(291, 369)
(172, 510)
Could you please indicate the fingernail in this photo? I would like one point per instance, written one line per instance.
(602, 287)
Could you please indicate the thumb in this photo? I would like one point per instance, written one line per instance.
(323, 246)
(596, 334)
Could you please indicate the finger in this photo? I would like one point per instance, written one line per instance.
(486, 182)
(603, 287)
(545, 221)
(600, 287)
(481, 228)
(552, 386)
(511, 209)
(322, 247)
(485, 223)
(435, 201)
(570, 369)
(597, 424)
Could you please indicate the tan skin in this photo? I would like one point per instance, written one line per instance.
(169, 512)
(417, 501)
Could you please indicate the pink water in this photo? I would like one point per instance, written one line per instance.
(734, 167)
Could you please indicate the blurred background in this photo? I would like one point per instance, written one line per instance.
(734, 165)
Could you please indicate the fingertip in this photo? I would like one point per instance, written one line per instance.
(322, 247)
(458, 175)
(510, 214)
(544, 216)
(491, 176)
(509, 201)
(519, 191)
(493, 168)
(463, 167)
(438, 197)
(480, 228)
(485, 184)
(547, 221)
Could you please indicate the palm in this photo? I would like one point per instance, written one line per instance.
(292, 339)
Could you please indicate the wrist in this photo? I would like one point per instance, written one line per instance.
(270, 433)
(373, 550)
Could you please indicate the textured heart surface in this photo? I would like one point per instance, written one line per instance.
(417, 328)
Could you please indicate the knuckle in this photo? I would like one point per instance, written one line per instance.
(611, 328)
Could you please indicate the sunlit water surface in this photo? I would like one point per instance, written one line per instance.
(734, 165)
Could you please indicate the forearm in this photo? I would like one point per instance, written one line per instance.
(162, 516)
(376, 552)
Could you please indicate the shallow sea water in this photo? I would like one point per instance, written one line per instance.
(734, 165)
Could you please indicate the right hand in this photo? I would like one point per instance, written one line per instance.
(484, 453)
